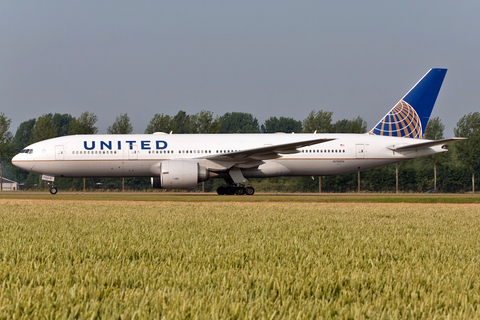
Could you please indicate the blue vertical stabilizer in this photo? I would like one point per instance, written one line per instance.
(410, 116)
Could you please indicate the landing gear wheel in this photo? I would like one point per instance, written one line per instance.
(249, 191)
(53, 190)
(240, 191)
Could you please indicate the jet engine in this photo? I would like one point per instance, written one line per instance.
(179, 174)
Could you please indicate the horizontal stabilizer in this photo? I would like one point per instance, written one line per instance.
(422, 145)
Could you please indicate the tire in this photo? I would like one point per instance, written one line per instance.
(240, 191)
(230, 191)
(221, 191)
(53, 190)
(249, 191)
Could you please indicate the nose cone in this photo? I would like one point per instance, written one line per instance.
(17, 162)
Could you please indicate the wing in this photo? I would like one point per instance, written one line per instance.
(422, 145)
(265, 153)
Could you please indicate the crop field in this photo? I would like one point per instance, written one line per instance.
(211, 260)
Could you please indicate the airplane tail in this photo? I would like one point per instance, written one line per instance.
(409, 117)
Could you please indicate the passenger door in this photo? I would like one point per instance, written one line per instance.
(133, 153)
(59, 153)
(360, 151)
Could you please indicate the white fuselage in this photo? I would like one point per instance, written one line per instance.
(139, 155)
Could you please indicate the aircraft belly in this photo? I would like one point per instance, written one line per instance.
(81, 169)
(316, 167)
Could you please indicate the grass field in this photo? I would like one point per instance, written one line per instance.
(267, 197)
(84, 259)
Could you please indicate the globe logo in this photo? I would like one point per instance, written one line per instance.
(401, 121)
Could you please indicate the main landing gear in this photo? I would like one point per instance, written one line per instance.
(231, 190)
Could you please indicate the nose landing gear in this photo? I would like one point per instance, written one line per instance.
(53, 190)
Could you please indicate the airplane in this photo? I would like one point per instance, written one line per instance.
(181, 161)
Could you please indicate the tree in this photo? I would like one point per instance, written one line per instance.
(5, 138)
(282, 124)
(204, 122)
(469, 151)
(320, 121)
(44, 128)
(84, 124)
(179, 122)
(23, 135)
(62, 123)
(357, 125)
(159, 123)
(121, 125)
(183, 123)
(434, 131)
(238, 122)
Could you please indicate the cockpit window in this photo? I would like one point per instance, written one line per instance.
(29, 151)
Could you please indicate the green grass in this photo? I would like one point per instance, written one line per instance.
(238, 260)
(267, 197)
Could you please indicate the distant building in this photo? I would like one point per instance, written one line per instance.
(9, 185)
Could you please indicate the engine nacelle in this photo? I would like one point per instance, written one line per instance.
(179, 174)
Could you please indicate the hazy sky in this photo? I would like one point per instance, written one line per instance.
(268, 58)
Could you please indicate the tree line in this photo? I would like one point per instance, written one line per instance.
(453, 171)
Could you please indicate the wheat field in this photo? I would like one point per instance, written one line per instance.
(135, 260)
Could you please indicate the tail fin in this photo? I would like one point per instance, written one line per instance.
(410, 116)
